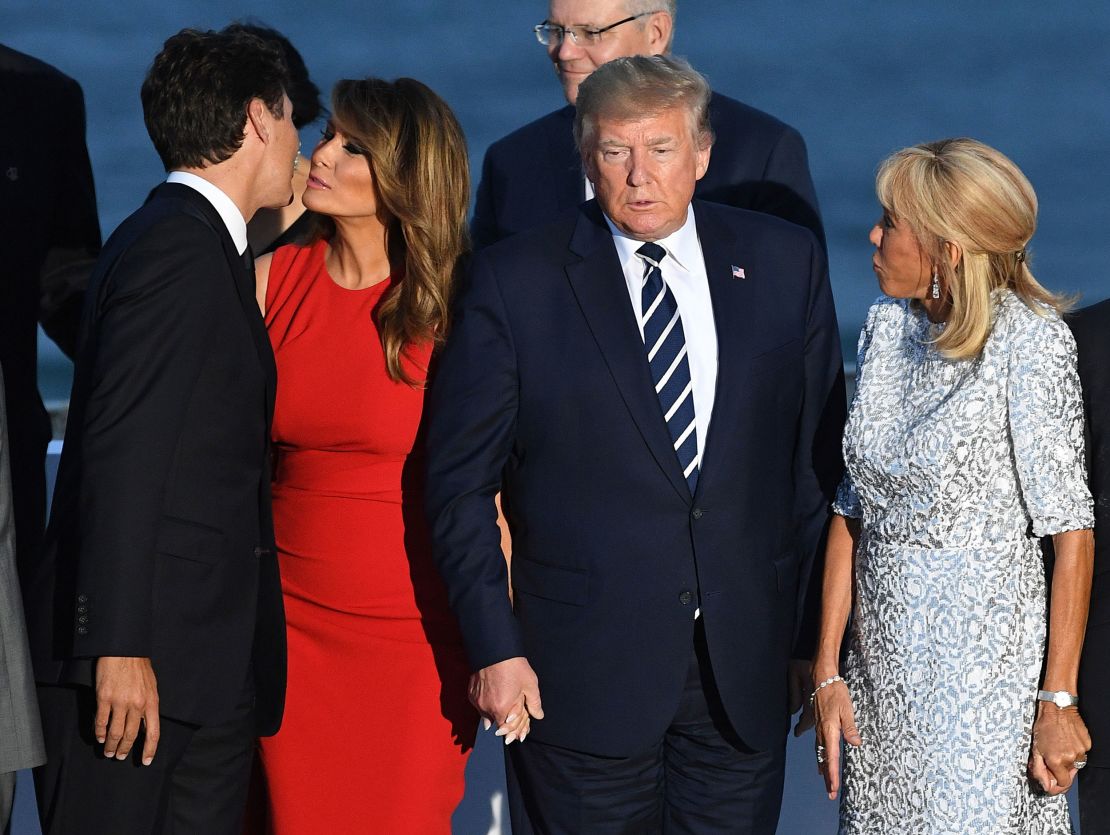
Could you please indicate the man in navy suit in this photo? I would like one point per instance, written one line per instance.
(656, 383)
(1091, 327)
(534, 173)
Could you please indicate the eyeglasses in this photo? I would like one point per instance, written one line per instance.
(552, 34)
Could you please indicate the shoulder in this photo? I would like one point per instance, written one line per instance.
(1091, 325)
(523, 140)
(287, 268)
(540, 244)
(757, 227)
(732, 113)
(1031, 327)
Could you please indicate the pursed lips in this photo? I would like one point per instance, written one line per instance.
(316, 182)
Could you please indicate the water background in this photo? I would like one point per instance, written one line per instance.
(858, 78)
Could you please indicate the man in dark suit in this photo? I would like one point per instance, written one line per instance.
(534, 173)
(156, 623)
(1091, 327)
(52, 237)
(657, 384)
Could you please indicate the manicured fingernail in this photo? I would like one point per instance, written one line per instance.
(109, 754)
(510, 738)
(148, 760)
(121, 757)
(485, 724)
(510, 719)
(100, 739)
(501, 731)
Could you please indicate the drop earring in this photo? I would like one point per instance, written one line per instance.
(935, 290)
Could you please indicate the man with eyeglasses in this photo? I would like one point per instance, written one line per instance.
(534, 173)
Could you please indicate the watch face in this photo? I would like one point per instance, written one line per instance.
(1062, 699)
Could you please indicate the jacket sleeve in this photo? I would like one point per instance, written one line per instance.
(818, 464)
(152, 331)
(472, 416)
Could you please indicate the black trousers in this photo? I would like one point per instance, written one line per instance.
(196, 784)
(699, 778)
(1094, 800)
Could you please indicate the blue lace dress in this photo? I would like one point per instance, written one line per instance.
(955, 468)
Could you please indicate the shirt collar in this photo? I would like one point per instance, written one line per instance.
(224, 205)
(681, 245)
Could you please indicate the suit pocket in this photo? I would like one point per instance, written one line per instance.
(786, 572)
(564, 585)
(776, 358)
(188, 540)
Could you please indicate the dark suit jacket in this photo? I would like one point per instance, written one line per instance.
(544, 387)
(48, 215)
(532, 175)
(1091, 327)
(160, 541)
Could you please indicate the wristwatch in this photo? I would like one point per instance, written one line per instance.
(1060, 698)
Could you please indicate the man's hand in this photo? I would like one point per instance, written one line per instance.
(800, 685)
(126, 697)
(507, 694)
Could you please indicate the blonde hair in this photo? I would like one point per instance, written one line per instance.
(417, 154)
(962, 192)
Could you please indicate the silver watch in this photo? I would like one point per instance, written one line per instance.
(1060, 698)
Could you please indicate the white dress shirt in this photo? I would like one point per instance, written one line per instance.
(684, 272)
(228, 211)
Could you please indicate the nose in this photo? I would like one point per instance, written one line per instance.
(322, 153)
(876, 236)
(639, 174)
(567, 50)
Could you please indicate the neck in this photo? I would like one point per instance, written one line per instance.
(230, 178)
(358, 256)
(937, 310)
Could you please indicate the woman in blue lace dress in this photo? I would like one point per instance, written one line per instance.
(963, 447)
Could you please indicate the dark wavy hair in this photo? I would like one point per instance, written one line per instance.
(301, 91)
(196, 93)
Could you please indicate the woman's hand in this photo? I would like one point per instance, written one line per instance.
(836, 719)
(1060, 740)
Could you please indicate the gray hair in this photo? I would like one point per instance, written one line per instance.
(644, 7)
(642, 86)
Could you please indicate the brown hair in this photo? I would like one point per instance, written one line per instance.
(417, 154)
(963, 192)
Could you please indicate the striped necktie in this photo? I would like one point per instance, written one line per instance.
(670, 368)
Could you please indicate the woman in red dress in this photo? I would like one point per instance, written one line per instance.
(377, 724)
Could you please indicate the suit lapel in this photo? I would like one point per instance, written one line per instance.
(597, 280)
(244, 285)
(732, 300)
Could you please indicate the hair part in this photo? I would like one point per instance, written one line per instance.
(302, 92)
(196, 93)
(641, 87)
(967, 194)
(417, 153)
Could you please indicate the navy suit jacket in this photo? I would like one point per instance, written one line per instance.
(1091, 327)
(535, 173)
(544, 390)
(160, 541)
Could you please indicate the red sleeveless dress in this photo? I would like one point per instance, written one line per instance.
(377, 725)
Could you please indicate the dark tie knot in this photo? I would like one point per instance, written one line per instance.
(652, 253)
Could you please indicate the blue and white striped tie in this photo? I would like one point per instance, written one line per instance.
(670, 368)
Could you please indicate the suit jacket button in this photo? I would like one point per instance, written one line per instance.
(82, 610)
(82, 598)
(685, 598)
(82, 630)
(258, 552)
(697, 513)
(83, 619)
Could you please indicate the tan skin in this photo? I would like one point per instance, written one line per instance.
(256, 176)
(1060, 737)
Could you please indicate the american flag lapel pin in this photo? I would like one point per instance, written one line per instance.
(738, 272)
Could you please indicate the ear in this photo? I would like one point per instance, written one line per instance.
(954, 252)
(703, 160)
(589, 166)
(258, 119)
(659, 28)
